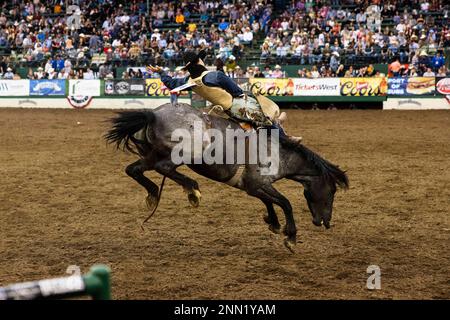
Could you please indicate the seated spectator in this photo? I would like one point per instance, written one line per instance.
(40, 74)
(247, 36)
(314, 72)
(52, 74)
(9, 74)
(442, 72)
(223, 25)
(429, 73)
(89, 74)
(134, 51)
(267, 72)
(277, 73)
(412, 72)
(258, 73)
(334, 61)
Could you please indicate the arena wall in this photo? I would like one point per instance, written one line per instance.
(85, 102)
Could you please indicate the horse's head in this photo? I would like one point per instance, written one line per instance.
(319, 194)
(320, 180)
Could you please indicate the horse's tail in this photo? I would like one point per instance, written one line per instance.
(125, 125)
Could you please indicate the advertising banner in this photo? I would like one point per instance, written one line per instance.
(317, 87)
(421, 86)
(411, 86)
(416, 103)
(14, 88)
(89, 88)
(47, 87)
(272, 87)
(397, 86)
(155, 88)
(363, 87)
(443, 86)
(132, 87)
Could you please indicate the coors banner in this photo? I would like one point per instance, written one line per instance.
(132, 87)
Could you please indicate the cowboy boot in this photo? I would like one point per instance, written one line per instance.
(282, 118)
(294, 139)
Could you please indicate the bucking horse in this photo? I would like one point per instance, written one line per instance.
(150, 135)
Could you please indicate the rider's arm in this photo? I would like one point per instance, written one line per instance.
(172, 83)
(220, 79)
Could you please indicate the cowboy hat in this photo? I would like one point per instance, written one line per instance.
(191, 57)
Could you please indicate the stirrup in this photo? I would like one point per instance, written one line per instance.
(216, 107)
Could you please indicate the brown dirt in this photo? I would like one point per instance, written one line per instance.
(65, 200)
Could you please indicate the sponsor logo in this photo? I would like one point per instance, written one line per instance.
(122, 87)
(3, 86)
(409, 101)
(79, 102)
(137, 87)
(84, 88)
(443, 86)
(315, 87)
(109, 88)
(155, 88)
(27, 101)
(47, 85)
(133, 101)
(367, 87)
(6, 87)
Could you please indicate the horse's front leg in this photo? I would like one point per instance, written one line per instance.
(136, 171)
(269, 195)
(190, 186)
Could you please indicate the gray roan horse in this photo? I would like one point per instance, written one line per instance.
(149, 135)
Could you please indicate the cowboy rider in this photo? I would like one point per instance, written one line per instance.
(219, 89)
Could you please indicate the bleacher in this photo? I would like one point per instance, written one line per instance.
(250, 55)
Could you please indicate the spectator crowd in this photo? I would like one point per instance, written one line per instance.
(91, 38)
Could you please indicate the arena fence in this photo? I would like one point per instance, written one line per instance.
(96, 284)
(151, 93)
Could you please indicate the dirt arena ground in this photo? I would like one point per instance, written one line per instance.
(65, 200)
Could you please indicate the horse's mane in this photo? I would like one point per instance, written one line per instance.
(329, 171)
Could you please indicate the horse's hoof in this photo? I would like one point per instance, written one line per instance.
(290, 244)
(151, 202)
(194, 197)
(274, 229)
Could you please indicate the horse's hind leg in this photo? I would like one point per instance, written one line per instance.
(271, 219)
(190, 186)
(136, 171)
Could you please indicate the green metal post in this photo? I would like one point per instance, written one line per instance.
(98, 282)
